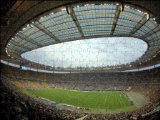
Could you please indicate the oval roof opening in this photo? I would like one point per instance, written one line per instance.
(95, 52)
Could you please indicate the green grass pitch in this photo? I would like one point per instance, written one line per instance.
(94, 101)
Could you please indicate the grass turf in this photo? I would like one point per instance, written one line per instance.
(94, 101)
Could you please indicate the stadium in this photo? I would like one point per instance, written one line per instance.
(80, 60)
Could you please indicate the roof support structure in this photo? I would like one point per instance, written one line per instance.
(154, 30)
(139, 24)
(95, 36)
(46, 31)
(151, 41)
(74, 18)
(116, 17)
(158, 45)
(21, 46)
(13, 46)
(15, 52)
(26, 38)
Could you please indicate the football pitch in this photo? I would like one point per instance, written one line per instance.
(92, 101)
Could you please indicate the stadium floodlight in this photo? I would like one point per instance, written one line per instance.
(117, 3)
(31, 25)
(63, 9)
(52, 13)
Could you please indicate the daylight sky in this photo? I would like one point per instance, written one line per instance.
(90, 52)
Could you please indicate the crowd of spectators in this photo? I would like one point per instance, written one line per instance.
(17, 105)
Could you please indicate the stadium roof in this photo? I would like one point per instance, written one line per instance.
(68, 21)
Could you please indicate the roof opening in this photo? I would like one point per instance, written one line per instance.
(95, 52)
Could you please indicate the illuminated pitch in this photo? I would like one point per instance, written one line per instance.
(89, 101)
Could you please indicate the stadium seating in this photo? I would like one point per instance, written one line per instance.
(13, 79)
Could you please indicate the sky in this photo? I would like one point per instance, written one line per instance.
(95, 52)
